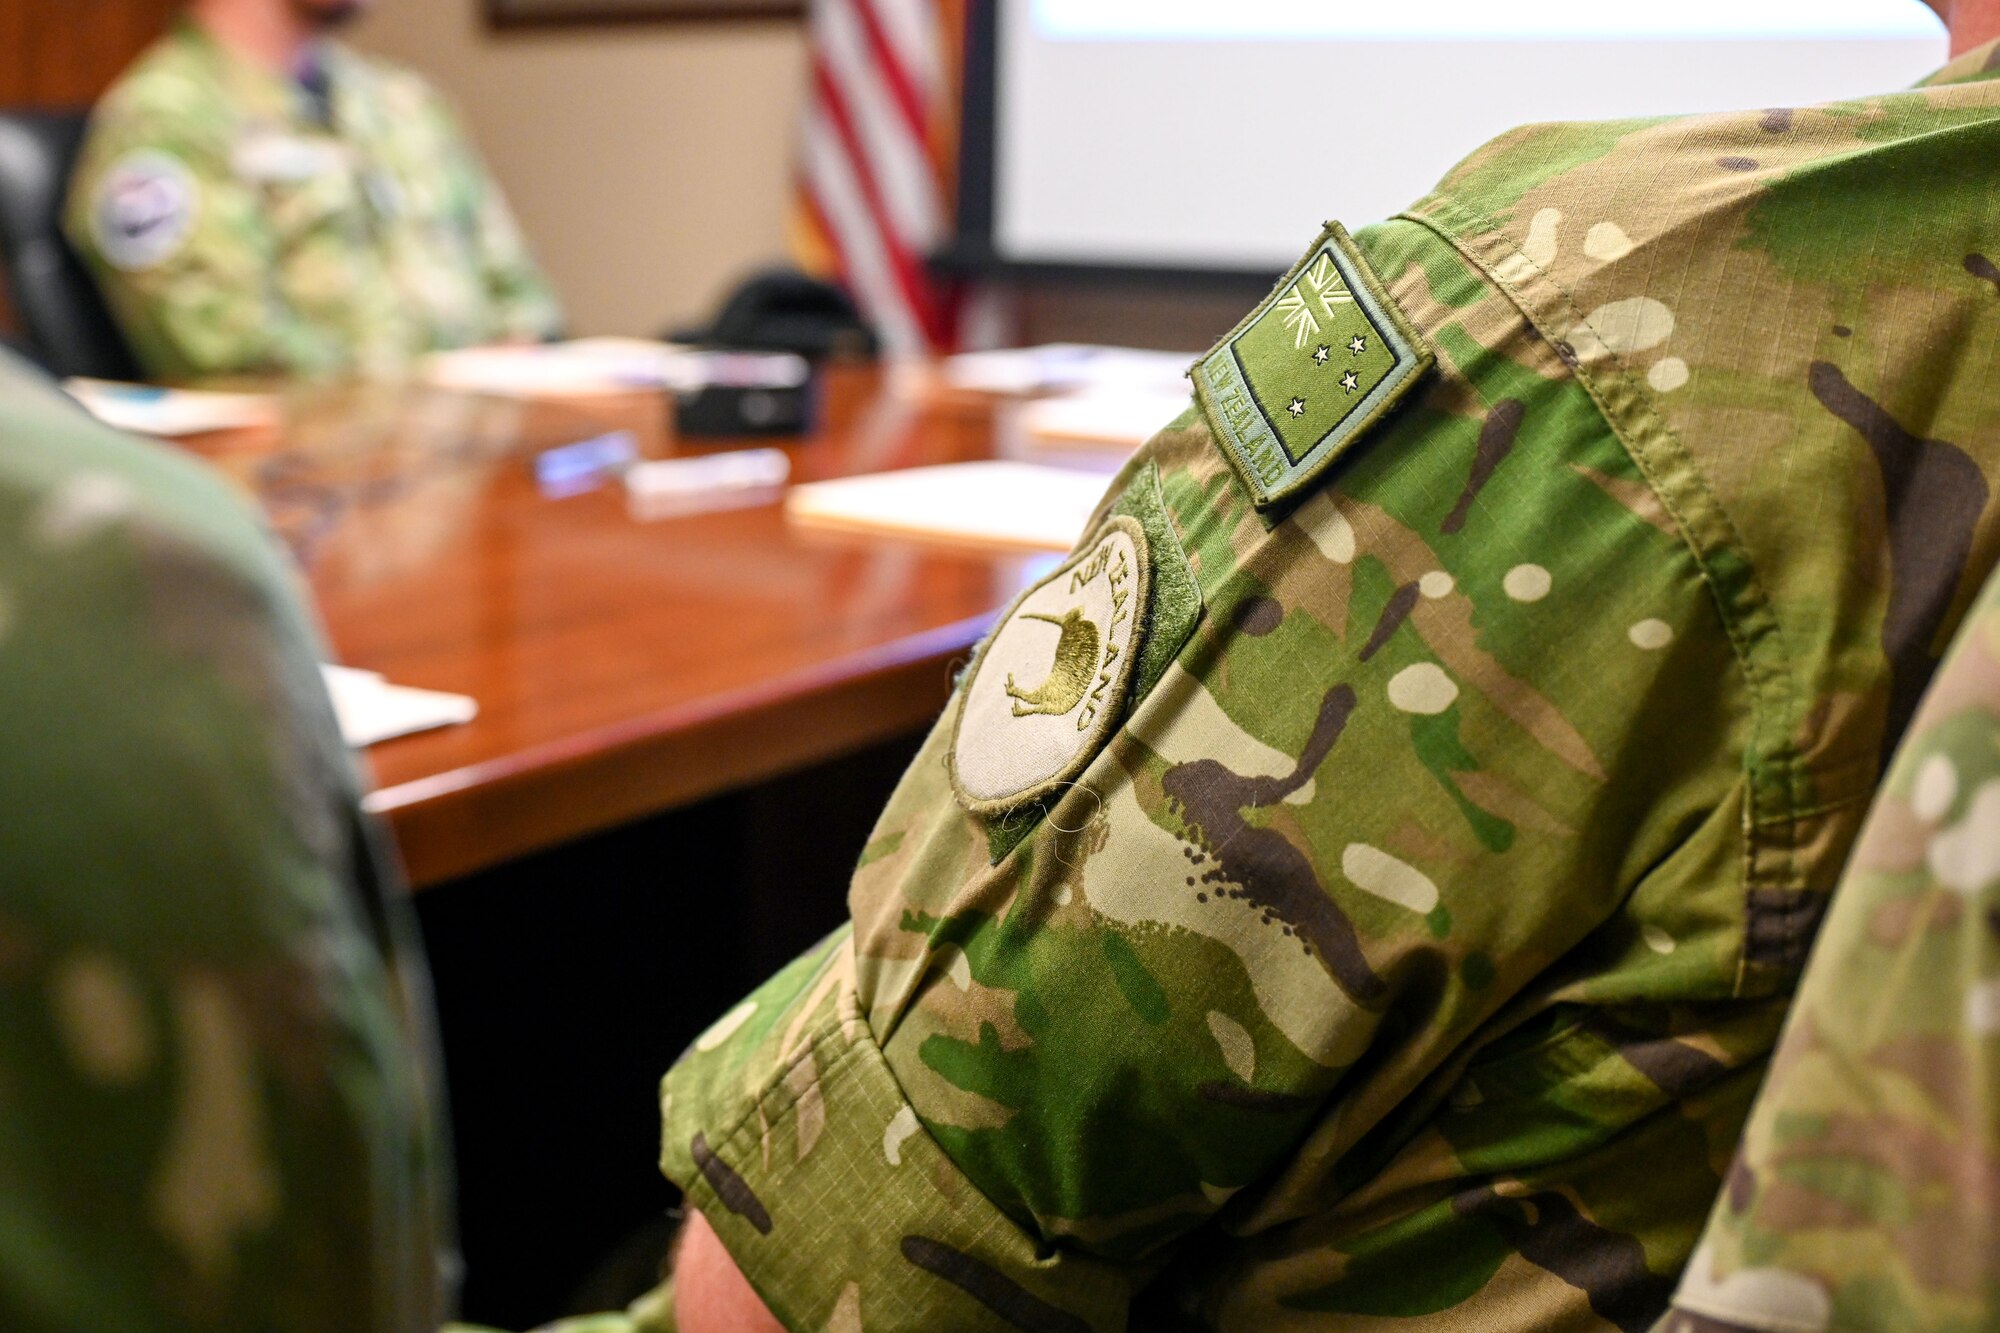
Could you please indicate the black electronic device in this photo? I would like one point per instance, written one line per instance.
(749, 393)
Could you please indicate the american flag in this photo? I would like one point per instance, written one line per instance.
(877, 159)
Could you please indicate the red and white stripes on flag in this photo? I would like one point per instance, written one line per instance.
(877, 160)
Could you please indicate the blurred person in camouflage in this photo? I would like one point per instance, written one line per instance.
(254, 197)
(1362, 888)
(1865, 1191)
(217, 1101)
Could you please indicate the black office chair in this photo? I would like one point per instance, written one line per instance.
(782, 310)
(67, 328)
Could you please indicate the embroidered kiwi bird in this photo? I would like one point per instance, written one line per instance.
(1077, 643)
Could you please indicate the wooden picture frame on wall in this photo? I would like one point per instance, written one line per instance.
(548, 13)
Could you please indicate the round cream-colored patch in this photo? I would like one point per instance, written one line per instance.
(1050, 684)
(1607, 242)
(1422, 687)
(1935, 790)
(103, 1017)
(1651, 634)
(1543, 233)
(145, 210)
(1527, 583)
(1668, 374)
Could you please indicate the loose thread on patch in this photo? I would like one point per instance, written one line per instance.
(1096, 817)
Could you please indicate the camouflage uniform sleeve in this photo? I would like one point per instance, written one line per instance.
(182, 249)
(1393, 747)
(215, 1110)
(1863, 1196)
(1408, 944)
(524, 304)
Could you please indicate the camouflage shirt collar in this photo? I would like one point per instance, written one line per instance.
(258, 91)
(1981, 62)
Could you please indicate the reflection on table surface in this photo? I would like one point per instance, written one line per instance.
(621, 665)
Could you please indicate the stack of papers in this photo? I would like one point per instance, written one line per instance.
(992, 506)
(1120, 419)
(1065, 367)
(147, 409)
(592, 366)
(371, 709)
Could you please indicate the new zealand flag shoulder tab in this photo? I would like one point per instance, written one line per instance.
(1306, 373)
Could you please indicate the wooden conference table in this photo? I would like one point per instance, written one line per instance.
(622, 665)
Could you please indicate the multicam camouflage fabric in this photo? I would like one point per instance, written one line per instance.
(233, 232)
(1865, 1191)
(1411, 953)
(213, 1110)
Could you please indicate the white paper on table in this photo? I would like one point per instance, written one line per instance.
(148, 409)
(1002, 505)
(1120, 418)
(1059, 367)
(591, 366)
(371, 709)
(539, 371)
(677, 487)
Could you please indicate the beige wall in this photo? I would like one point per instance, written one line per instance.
(649, 163)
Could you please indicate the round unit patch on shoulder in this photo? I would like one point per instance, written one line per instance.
(1050, 685)
(145, 210)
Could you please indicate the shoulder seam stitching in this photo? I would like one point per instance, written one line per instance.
(1705, 528)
